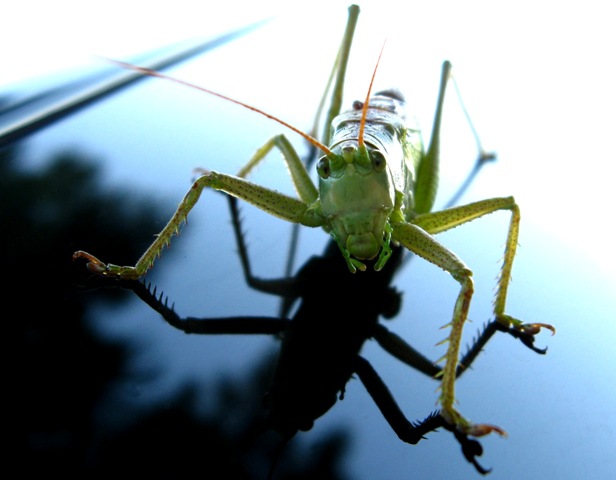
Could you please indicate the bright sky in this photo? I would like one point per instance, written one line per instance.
(48, 36)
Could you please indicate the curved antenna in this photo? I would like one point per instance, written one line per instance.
(154, 73)
(364, 110)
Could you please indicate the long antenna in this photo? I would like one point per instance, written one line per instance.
(364, 110)
(154, 73)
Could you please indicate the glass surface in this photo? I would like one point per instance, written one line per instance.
(91, 365)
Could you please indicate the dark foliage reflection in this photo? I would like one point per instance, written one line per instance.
(60, 369)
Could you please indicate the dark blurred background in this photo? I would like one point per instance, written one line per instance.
(61, 369)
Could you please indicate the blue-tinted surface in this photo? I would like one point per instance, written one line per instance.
(537, 90)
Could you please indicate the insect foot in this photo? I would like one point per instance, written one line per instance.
(479, 430)
(535, 328)
(106, 270)
(525, 332)
(471, 448)
(464, 426)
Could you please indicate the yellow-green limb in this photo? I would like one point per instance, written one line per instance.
(304, 210)
(302, 182)
(426, 185)
(337, 76)
(426, 246)
(437, 222)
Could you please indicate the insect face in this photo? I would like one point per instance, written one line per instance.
(357, 197)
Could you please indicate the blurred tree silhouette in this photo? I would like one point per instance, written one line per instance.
(59, 368)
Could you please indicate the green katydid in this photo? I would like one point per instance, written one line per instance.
(377, 185)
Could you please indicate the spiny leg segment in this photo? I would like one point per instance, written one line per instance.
(283, 206)
(417, 237)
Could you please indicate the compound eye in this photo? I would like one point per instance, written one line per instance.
(378, 160)
(323, 168)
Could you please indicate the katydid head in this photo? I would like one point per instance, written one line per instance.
(360, 180)
(356, 199)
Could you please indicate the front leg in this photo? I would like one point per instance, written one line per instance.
(427, 247)
(437, 222)
(305, 210)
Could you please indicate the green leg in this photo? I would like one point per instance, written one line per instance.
(339, 74)
(438, 222)
(426, 184)
(425, 245)
(299, 175)
(417, 237)
(283, 206)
